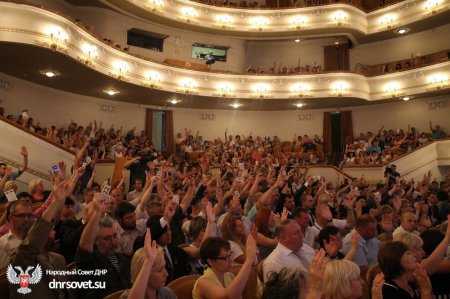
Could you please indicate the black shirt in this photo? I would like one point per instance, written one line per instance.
(392, 291)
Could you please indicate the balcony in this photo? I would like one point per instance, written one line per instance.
(35, 32)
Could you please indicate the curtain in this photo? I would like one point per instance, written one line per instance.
(326, 132)
(346, 127)
(149, 123)
(168, 132)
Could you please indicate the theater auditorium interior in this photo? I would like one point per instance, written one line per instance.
(225, 149)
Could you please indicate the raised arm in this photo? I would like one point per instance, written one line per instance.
(139, 288)
(89, 233)
(24, 153)
(432, 262)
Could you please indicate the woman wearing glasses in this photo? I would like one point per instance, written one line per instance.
(218, 282)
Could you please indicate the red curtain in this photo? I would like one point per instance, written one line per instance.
(168, 132)
(149, 123)
(346, 127)
(326, 132)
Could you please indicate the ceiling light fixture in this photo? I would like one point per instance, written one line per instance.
(299, 105)
(111, 91)
(236, 105)
(402, 31)
(297, 40)
(406, 99)
(174, 101)
(49, 74)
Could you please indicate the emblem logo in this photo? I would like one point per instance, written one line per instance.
(24, 279)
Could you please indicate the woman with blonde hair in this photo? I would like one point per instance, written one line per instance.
(341, 280)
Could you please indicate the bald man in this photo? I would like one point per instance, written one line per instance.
(290, 253)
(408, 224)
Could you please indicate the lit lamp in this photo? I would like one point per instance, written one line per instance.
(155, 4)
(432, 6)
(259, 22)
(189, 13)
(438, 81)
(298, 21)
(225, 89)
(90, 53)
(57, 36)
(393, 89)
(387, 20)
(339, 88)
(339, 17)
(224, 20)
(153, 78)
(261, 90)
(188, 85)
(300, 89)
(120, 68)
(235, 105)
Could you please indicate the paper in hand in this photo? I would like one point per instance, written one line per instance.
(11, 195)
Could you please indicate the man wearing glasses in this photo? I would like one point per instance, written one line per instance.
(19, 215)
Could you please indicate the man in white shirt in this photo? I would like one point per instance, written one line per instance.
(323, 218)
(20, 218)
(408, 224)
(137, 192)
(290, 253)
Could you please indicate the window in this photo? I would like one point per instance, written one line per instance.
(145, 39)
(200, 51)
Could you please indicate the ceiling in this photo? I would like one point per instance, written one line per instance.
(26, 62)
(127, 8)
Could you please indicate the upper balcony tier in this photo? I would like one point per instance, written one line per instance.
(319, 20)
(30, 27)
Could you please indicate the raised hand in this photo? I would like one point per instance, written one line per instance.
(150, 248)
(377, 286)
(210, 215)
(250, 246)
(284, 215)
(356, 237)
(24, 151)
(316, 271)
(422, 279)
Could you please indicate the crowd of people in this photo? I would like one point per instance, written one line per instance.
(387, 145)
(244, 216)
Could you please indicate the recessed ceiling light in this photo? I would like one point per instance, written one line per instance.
(111, 91)
(299, 105)
(49, 73)
(174, 101)
(402, 30)
(236, 105)
(406, 99)
(297, 40)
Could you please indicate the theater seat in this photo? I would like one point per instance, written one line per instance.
(182, 287)
(115, 295)
(4, 285)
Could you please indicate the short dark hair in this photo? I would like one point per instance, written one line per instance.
(2, 164)
(298, 210)
(197, 225)
(326, 233)
(431, 239)
(364, 220)
(23, 195)
(12, 206)
(283, 285)
(389, 259)
(123, 208)
(211, 248)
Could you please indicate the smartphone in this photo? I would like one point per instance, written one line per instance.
(55, 169)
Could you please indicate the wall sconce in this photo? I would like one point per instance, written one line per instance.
(300, 89)
(188, 85)
(236, 105)
(224, 20)
(90, 53)
(261, 90)
(438, 81)
(432, 6)
(387, 20)
(339, 17)
(189, 13)
(299, 21)
(339, 88)
(225, 89)
(120, 68)
(259, 22)
(393, 89)
(155, 4)
(58, 37)
(153, 78)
